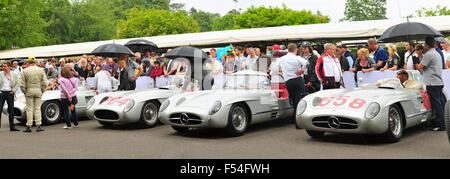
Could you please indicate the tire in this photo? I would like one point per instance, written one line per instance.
(395, 125)
(149, 115)
(315, 134)
(106, 124)
(447, 119)
(51, 112)
(237, 120)
(180, 129)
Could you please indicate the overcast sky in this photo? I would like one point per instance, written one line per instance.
(332, 8)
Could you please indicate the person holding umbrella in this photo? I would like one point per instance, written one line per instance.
(431, 65)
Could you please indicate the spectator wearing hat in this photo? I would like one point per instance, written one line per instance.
(9, 83)
(380, 55)
(431, 65)
(312, 82)
(33, 84)
(347, 54)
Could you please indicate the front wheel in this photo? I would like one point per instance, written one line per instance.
(149, 115)
(51, 112)
(237, 120)
(395, 125)
(315, 134)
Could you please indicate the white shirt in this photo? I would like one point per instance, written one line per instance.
(275, 71)
(409, 61)
(290, 64)
(7, 83)
(332, 68)
(103, 81)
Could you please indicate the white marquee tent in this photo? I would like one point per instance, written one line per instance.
(336, 31)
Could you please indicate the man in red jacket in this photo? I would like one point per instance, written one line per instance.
(328, 68)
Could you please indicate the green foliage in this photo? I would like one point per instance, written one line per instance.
(151, 22)
(204, 19)
(271, 17)
(87, 20)
(121, 7)
(439, 11)
(20, 24)
(226, 22)
(362, 10)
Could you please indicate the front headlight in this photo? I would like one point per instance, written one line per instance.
(129, 106)
(372, 110)
(301, 107)
(215, 108)
(90, 103)
(164, 105)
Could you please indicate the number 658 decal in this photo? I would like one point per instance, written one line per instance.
(341, 100)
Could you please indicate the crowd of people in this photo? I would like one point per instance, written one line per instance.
(301, 70)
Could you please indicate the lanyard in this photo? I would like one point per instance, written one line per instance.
(7, 77)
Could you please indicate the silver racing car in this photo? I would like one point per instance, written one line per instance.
(385, 110)
(247, 98)
(125, 107)
(51, 105)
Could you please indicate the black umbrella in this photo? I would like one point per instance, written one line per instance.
(409, 31)
(187, 52)
(112, 50)
(140, 45)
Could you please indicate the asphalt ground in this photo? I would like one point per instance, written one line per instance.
(263, 141)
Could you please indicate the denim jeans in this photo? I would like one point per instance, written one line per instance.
(437, 101)
(9, 98)
(65, 107)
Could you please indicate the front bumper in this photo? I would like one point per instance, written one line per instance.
(115, 114)
(197, 118)
(349, 121)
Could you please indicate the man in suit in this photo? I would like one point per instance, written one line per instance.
(33, 84)
(9, 83)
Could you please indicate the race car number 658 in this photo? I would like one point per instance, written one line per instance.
(341, 100)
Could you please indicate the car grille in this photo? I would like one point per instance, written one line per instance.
(192, 119)
(106, 115)
(343, 123)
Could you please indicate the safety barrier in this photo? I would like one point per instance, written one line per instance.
(219, 80)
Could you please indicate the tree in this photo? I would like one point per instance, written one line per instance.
(152, 22)
(226, 22)
(21, 24)
(58, 15)
(174, 7)
(121, 7)
(204, 19)
(92, 21)
(439, 11)
(362, 10)
(272, 17)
